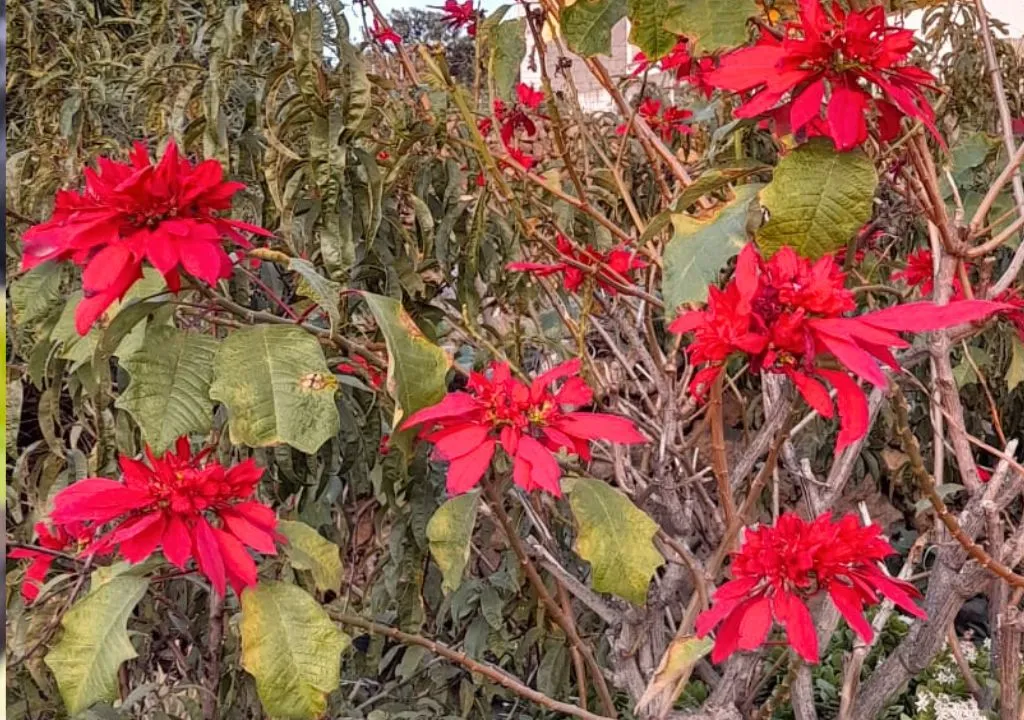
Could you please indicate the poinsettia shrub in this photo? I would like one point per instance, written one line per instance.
(348, 377)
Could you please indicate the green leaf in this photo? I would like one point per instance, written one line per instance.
(309, 550)
(95, 643)
(714, 179)
(508, 48)
(1015, 372)
(169, 392)
(614, 536)
(817, 199)
(711, 25)
(416, 366)
(449, 531)
(325, 293)
(277, 388)
(647, 20)
(700, 248)
(292, 649)
(587, 25)
(36, 292)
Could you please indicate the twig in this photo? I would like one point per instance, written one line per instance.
(489, 671)
(719, 462)
(213, 651)
(965, 669)
(927, 483)
(552, 607)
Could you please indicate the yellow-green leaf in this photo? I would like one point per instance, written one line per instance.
(449, 531)
(95, 643)
(292, 649)
(701, 247)
(416, 366)
(711, 25)
(647, 31)
(1015, 372)
(309, 550)
(277, 388)
(615, 537)
(587, 25)
(169, 392)
(672, 674)
(817, 199)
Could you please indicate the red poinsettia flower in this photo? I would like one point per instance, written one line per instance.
(529, 422)
(680, 63)
(778, 569)
(375, 375)
(920, 273)
(785, 314)
(62, 537)
(169, 503)
(668, 123)
(1014, 298)
(134, 212)
(459, 15)
(616, 264)
(827, 63)
(384, 34)
(515, 118)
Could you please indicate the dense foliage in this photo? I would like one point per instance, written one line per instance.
(360, 378)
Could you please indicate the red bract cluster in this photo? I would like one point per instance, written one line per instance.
(134, 212)
(530, 422)
(375, 375)
(169, 504)
(459, 15)
(515, 118)
(784, 314)
(919, 273)
(668, 122)
(820, 65)
(62, 538)
(680, 63)
(616, 265)
(778, 569)
(385, 34)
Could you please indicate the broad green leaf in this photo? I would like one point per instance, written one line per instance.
(587, 25)
(817, 199)
(292, 649)
(95, 642)
(700, 248)
(309, 550)
(169, 392)
(647, 20)
(615, 537)
(672, 674)
(277, 388)
(449, 531)
(711, 25)
(36, 292)
(508, 48)
(1015, 372)
(416, 366)
(325, 293)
